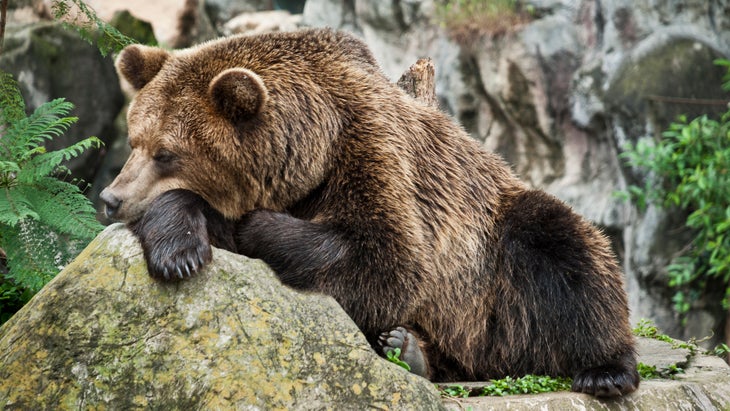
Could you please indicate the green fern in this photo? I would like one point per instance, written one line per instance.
(44, 220)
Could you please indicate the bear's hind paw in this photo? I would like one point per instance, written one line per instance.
(410, 352)
(607, 381)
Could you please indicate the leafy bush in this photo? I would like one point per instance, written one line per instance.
(44, 220)
(689, 168)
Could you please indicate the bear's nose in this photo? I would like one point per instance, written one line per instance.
(111, 203)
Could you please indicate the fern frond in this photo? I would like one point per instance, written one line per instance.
(12, 105)
(15, 206)
(64, 208)
(46, 163)
(33, 257)
(23, 137)
(9, 169)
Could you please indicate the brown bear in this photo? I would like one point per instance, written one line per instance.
(294, 148)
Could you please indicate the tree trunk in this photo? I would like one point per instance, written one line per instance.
(419, 81)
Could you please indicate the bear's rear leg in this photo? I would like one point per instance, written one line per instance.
(610, 380)
(410, 351)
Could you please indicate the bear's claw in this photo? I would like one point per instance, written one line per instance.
(177, 259)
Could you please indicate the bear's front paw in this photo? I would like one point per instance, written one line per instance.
(607, 381)
(174, 235)
(178, 258)
(410, 352)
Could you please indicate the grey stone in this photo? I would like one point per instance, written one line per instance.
(704, 385)
(103, 334)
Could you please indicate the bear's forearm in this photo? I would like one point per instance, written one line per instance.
(299, 251)
(324, 258)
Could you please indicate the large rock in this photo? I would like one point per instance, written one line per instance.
(103, 334)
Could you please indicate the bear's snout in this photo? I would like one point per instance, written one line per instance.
(111, 203)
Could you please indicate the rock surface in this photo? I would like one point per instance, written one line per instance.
(103, 334)
(704, 385)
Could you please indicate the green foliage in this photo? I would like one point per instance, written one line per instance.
(44, 220)
(77, 15)
(455, 391)
(649, 372)
(722, 351)
(12, 298)
(529, 384)
(394, 357)
(646, 328)
(689, 168)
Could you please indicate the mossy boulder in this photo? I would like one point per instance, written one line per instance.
(103, 334)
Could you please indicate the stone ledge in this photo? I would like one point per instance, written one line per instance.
(704, 385)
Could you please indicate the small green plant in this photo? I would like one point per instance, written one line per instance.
(649, 372)
(646, 328)
(394, 357)
(722, 351)
(44, 220)
(689, 169)
(455, 391)
(529, 384)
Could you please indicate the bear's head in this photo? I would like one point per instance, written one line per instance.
(245, 122)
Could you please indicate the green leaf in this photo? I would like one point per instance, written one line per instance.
(65, 209)
(22, 138)
(48, 162)
(31, 254)
(15, 206)
(91, 28)
(394, 357)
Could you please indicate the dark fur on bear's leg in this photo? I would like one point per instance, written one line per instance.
(609, 380)
(410, 352)
(176, 233)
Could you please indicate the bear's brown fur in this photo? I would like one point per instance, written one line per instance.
(295, 149)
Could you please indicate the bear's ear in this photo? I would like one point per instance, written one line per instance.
(238, 93)
(139, 64)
